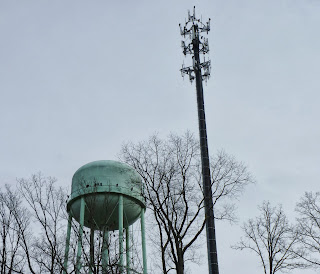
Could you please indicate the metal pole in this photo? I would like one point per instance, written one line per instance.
(128, 249)
(105, 254)
(66, 253)
(143, 240)
(209, 215)
(82, 207)
(91, 268)
(121, 233)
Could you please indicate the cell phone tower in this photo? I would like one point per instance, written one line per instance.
(195, 44)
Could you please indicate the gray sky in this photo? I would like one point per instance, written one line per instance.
(79, 78)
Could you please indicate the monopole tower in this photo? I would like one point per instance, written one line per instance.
(197, 45)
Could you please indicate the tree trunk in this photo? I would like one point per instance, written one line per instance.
(180, 266)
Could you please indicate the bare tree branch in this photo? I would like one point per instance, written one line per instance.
(308, 228)
(273, 239)
(171, 171)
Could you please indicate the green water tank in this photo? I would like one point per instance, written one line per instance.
(100, 183)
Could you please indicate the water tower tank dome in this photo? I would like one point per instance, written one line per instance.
(100, 183)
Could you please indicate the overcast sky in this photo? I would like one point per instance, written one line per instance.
(79, 78)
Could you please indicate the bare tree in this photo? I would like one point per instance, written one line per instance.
(33, 226)
(12, 258)
(44, 248)
(46, 204)
(171, 171)
(309, 228)
(273, 239)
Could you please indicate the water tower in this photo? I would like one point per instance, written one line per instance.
(106, 196)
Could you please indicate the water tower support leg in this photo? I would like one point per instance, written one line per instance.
(91, 251)
(143, 240)
(66, 253)
(105, 254)
(78, 267)
(128, 249)
(121, 233)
